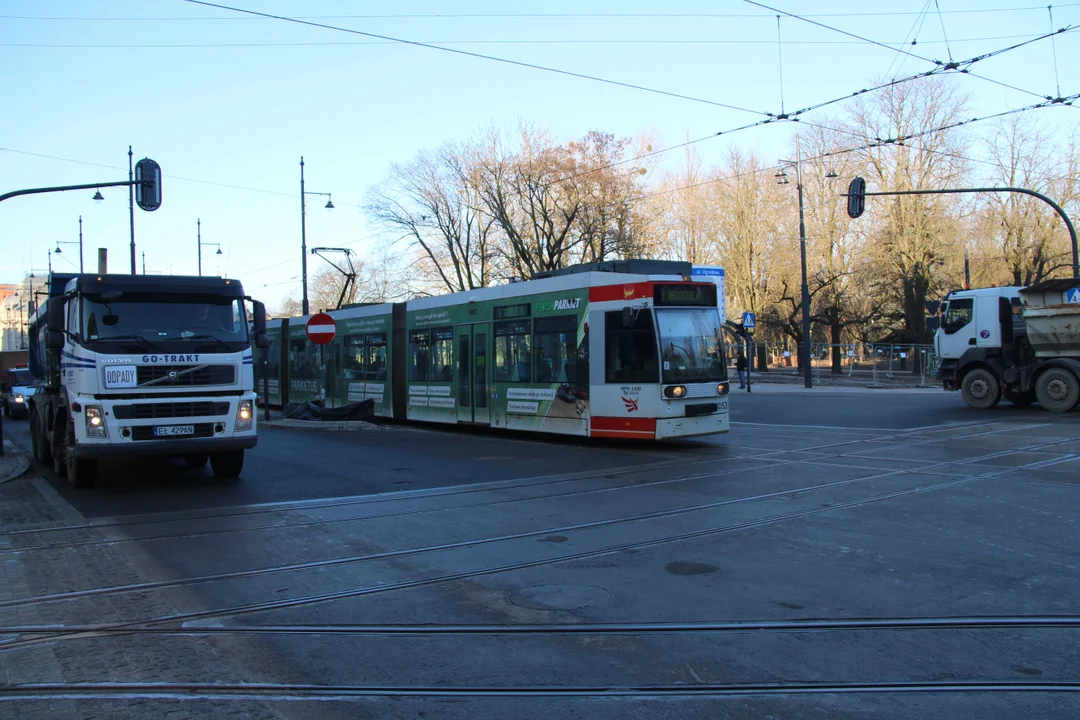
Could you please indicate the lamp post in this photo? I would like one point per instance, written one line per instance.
(72, 242)
(808, 379)
(303, 232)
(198, 232)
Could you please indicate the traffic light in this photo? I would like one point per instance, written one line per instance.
(856, 197)
(148, 185)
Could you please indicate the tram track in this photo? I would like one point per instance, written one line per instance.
(611, 473)
(991, 622)
(311, 599)
(294, 692)
(395, 554)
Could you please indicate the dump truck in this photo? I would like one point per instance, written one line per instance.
(132, 365)
(1017, 343)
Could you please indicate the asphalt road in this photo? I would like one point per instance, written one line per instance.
(292, 465)
(799, 571)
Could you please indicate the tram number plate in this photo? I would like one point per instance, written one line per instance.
(722, 406)
(173, 430)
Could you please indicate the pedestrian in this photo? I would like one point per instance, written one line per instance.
(740, 367)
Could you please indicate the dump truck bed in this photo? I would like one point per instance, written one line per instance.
(1052, 315)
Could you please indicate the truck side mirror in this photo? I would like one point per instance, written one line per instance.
(258, 311)
(54, 340)
(55, 321)
(261, 341)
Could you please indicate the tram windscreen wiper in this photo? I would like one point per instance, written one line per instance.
(140, 338)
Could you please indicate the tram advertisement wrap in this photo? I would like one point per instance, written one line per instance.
(519, 363)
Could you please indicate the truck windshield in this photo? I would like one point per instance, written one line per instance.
(691, 345)
(195, 323)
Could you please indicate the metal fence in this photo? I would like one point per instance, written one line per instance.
(867, 361)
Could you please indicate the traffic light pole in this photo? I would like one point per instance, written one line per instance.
(65, 188)
(1025, 191)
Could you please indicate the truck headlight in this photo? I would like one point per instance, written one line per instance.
(95, 422)
(19, 399)
(245, 414)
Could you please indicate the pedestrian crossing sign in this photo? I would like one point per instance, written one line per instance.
(1072, 296)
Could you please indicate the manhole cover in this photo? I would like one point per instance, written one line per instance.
(559, 597)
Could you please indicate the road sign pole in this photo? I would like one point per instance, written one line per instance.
(749, 359)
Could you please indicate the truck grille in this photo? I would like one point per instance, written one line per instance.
(149, 411)
(207, 375)
(146, 432)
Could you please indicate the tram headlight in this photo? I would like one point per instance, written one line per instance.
(95, 422)
(675, 391)
(244, 415)
(722, 389)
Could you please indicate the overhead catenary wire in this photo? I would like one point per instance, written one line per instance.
(877, 142)
(1053, 47)
(530, 16)
(943, 33)
(484, 41)
(481, 56)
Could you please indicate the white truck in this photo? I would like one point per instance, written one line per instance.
(133, 365)
(1020, 344)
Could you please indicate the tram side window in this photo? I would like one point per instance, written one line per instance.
(375, 356)
(304, 359)
(354, 357)
(273, 359)
(555, 339)
(419, 354)
(442, 354)
(513, 351)
(630, 352)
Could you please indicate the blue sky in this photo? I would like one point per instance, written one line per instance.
(218, 97)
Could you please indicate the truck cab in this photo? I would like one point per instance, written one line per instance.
(140, 366)
(17, 388)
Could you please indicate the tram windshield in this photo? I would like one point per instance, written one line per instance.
(691, 345)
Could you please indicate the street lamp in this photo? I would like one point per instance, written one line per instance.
(72, 242)
(198, 231)
(808, 380)
(303, 232)
(98, 197)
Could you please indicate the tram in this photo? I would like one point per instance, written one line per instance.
(622, 349)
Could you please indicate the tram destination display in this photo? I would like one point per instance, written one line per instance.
(703, 295)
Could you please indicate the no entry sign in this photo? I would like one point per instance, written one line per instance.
(321, 329)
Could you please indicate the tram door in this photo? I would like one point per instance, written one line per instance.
(471, 353)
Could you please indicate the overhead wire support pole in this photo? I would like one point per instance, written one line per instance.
(1025, 191)
(808, 379)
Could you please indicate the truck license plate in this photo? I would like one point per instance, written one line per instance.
(173, 430)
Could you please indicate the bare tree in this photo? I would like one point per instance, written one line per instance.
(913, 234)
(432, 201)
(1028, 234)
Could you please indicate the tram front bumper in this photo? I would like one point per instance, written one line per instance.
(690, 426)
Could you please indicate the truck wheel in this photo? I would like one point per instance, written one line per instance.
(38, 442)
(59, 457)
(980, 389)
(195, 460)
(81, 472)
(227, 464)
(1057, 390)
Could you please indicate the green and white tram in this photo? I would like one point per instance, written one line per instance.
(626, 349)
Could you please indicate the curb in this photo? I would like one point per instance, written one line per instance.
(13, 464)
